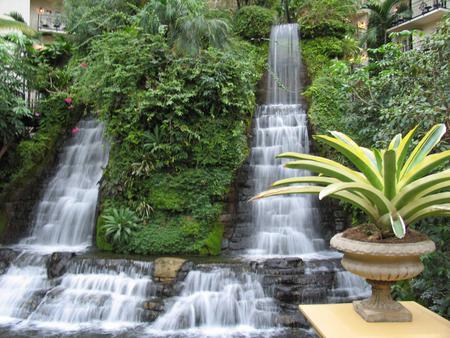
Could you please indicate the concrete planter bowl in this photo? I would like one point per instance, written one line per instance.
(382, 264)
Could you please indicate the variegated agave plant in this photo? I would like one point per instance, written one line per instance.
(393, 189)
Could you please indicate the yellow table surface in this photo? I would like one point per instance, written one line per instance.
(340, 321)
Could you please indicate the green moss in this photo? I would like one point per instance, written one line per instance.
(164, 198)
(212, 244)
(100, 240)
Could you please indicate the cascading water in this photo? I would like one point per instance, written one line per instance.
(219, 301)
(25, 277)
(65, 216)
(99, 295)
(284, 225)
(348, 287)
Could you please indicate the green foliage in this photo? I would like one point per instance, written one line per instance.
(328, 99)
(254, 22)
(15, 69)
(119, 225)
(178, 127)
(87, 19)
(372, 103)
(319, 52)
(14, 21)
(391, 187)
(432, 287)
(186, 24)
(212, 244)
(382, 16)
(325, 18)
(101, 241)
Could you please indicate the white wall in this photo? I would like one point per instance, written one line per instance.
(21, 6)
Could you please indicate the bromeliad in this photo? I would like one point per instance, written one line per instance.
(393, 189)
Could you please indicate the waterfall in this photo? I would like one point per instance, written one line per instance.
(284, 225)
(92, 295)
(25, 277)
(65, 215)
(219, 300)
(348, 287)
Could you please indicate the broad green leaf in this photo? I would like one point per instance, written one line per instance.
(428, 164)
(379, 158)
(395, 142)
(403, 148)
(398, 225)
(424, 202)
(357, 157)
(371, 156)
(374, 195)
(421, 188)
(306, 179)
(326, 169)
(343, 195)
(440, 210)
(319, 159)
(390, 174)
(426, 144)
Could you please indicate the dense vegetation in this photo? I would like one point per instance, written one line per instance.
(177, 125)
(393, 93)
(174, 83)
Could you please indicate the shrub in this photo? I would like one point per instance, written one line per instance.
(325, 18)
(119, 224)
(254, 22)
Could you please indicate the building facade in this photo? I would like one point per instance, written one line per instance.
(41, 15)
(425, 16)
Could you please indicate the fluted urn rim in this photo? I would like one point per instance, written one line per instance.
(352, 246)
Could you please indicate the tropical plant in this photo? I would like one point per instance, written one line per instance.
(15, 70)
(185, 23)
(394, 190)
(119, 224)
(324, 17)
(15, 21)
(254, 22)
(382, 16)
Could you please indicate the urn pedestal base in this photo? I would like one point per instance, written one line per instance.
(382, 264)
(380, 307)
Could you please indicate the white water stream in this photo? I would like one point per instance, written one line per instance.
(220, 301)
(284, 225)
(111, 295)
(65, 215)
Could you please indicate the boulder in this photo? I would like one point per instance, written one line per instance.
(57, 264)
(166, 269)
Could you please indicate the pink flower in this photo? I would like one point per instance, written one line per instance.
(83, 65)
(68, 100)
(37, 114)
(75, 130)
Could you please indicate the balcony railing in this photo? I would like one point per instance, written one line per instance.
(51, 22)
(421, 8)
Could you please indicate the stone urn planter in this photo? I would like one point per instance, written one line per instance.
(382, 264)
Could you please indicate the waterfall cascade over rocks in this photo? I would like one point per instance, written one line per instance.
(66, 213)
(87, 296)
(284, 225)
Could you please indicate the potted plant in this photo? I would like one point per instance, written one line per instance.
(395, 191)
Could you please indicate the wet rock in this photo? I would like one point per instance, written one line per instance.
(292, 320)
(154, 304)
(57, 264)
(6, 257)
(166, 269)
